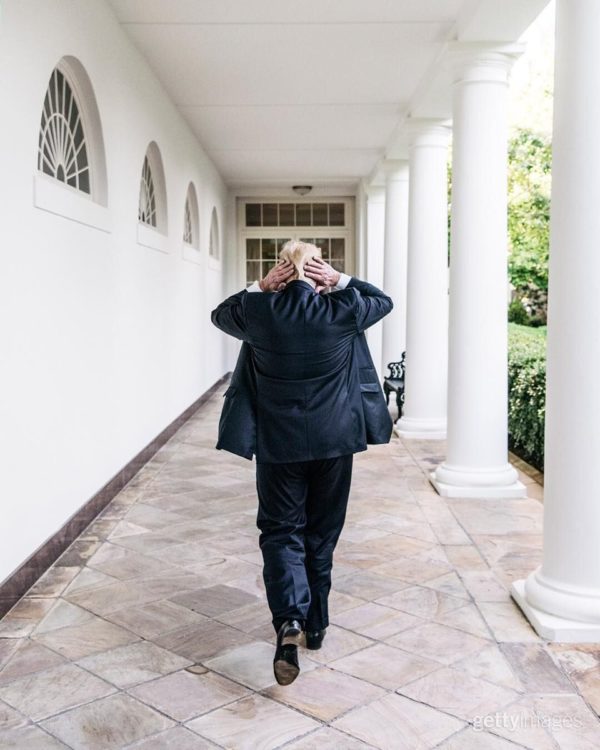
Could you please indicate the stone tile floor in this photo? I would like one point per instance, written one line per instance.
(152, 630)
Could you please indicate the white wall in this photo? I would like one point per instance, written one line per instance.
(103, 341)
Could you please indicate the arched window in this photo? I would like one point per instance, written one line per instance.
(70, 143)
(63, 150)
(213, 246)
(152, 207)
(188, 230)
(147, 207)
(190, 217)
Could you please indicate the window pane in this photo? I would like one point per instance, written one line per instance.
(308, 239)
(303, 214)
(280, 244)
(337, 214)
(252, 249)
(253, 214)
(270, 215)
(84, 181)
(266, 267)
(323, 243)
(252, 271)
(319, 214)
(286, 215)
(337, 247)
(82, 160)
(269, 249)
(338, 265)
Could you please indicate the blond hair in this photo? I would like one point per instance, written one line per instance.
(299, 253)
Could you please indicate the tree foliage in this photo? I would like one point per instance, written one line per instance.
(529, 165)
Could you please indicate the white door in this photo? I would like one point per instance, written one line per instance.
(266, 227)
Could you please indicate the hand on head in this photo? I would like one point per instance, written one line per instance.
(277, 277)
(300, 260)
(322, 273)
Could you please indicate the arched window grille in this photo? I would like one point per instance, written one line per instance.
(152, 205)
(188, 232)
(147, 205)
(191, 229)
(62, 147)
(213, 247)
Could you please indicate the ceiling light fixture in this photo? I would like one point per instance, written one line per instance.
(302, 189)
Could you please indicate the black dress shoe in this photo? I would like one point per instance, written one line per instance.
(314, 639)
(285, 663)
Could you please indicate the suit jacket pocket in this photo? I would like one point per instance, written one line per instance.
(370, 388)
(378, 421)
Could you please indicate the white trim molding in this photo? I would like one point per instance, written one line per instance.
(60, 199)
(191, 253)
(150, 237)
(214, 264)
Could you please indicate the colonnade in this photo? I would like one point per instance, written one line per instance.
(453, 322)
(562, 597)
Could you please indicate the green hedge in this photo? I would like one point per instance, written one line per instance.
(527, 392)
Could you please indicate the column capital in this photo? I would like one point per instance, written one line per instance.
(375, 193)
(427, 131)
(481, 62)
(395, 170)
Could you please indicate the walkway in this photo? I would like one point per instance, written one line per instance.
(152, 630)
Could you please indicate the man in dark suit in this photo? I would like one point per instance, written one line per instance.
(304, 397)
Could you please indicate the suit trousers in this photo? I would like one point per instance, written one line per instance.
(301, 512)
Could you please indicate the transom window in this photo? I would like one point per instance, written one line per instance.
(147, 205)
(295, 214)
(62, 148)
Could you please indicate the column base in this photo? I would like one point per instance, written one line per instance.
(462, 481)
(552, 627)
(420, 429)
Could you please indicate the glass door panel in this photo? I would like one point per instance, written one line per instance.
(269, 248)
(253, 249)
(268, 225)
(338, 254)
(261, 256)
(253, 271)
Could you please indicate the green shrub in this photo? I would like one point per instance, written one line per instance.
(527, 392)
(517, 312)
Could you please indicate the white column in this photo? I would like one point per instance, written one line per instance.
(562, 597)
(394, 267)
(477, 455)
(427, 289)
(374, 263)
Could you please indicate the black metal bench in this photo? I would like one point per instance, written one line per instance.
(394, 382)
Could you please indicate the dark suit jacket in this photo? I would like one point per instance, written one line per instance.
(304, 386)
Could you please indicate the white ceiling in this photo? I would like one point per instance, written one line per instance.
(282, 91)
